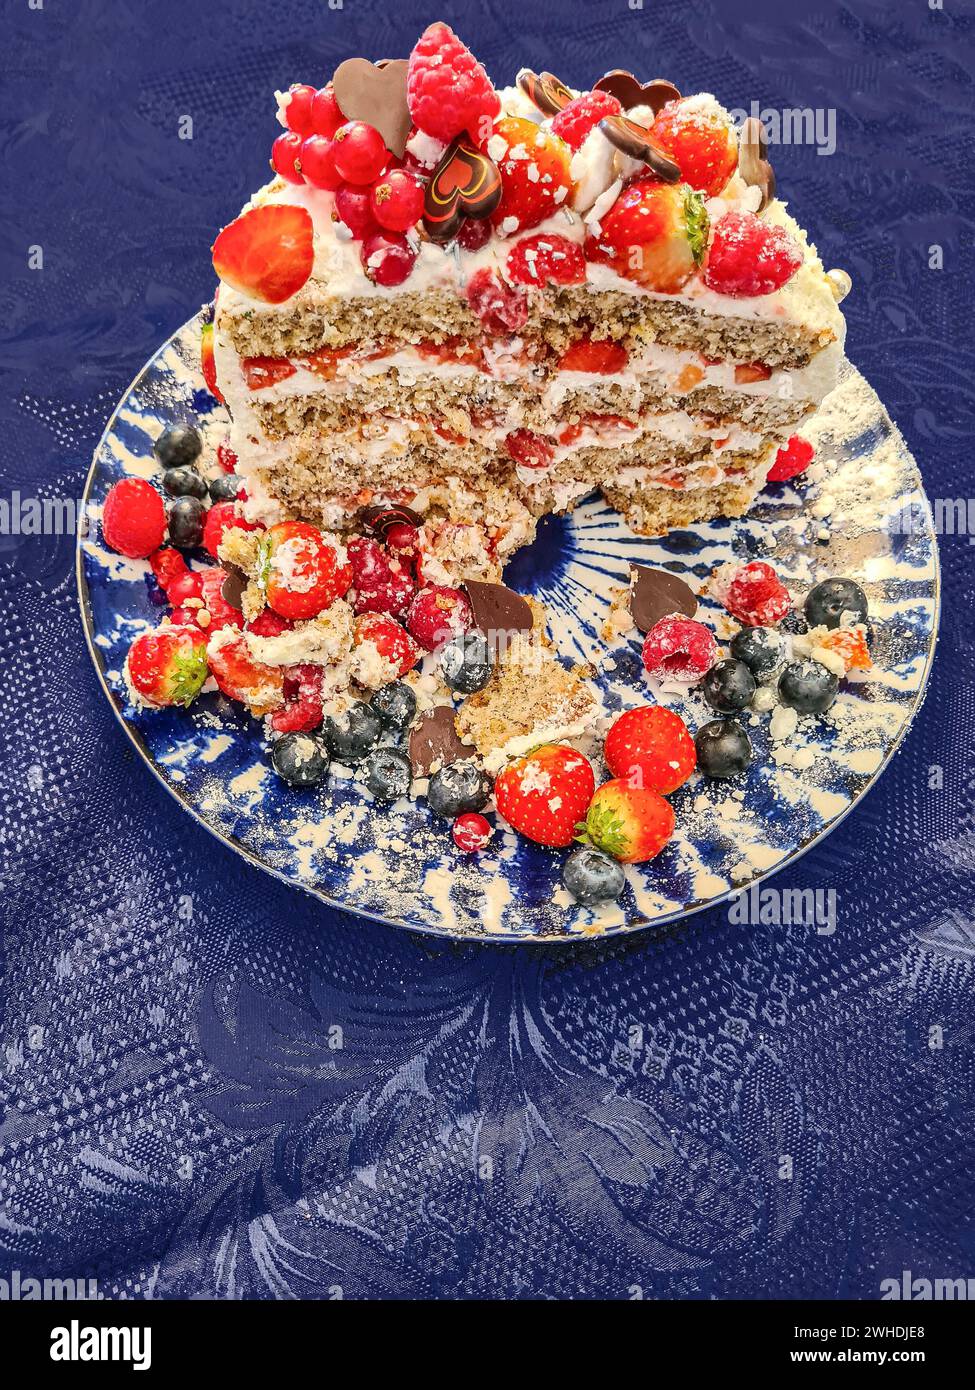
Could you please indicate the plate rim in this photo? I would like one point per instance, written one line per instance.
(495, 938)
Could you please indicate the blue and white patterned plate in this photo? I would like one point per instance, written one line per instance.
(863, 515)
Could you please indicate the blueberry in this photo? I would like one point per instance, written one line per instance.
(808, 687)
(301, 760)
(729, 686)
(457, 788)
(760, 648)
(592, 876)
(465, 663)
(184, 482)
(354, 733)
(224, 488)
(178, 445)
(723, 748)
(395, 704)
(387, 774)
(186, 518)
(827, 602)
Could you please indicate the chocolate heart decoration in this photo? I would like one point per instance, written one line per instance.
(380, 519)
(630, 92)
(546, 91)
(753, 161)
(633, 139)
(375, 94)
(466, 183)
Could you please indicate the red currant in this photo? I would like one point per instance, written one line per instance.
(403, 539)
(360, 155)
(387, 258)
(326, 116)
(397, 201)
(475, 234)
(297, 111)
(471, 832)
(284, 152)
(317, 162)
(188, 585)
(354, 207)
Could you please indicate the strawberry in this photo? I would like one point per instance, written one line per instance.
(303, 572)
(698, 135)
(267, 253)
(655, 234)
(382, 650)
(631, 823)
(168, 666)
(603, 357)
(535, 178)
(793, 458)
(240, 677)
(261, 372)
(208, 361)
(221, 517)
(500, 308)
(222, 613)
(544, 795)
(651, 747)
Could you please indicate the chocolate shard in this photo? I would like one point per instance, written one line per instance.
(753, 161)
(232, 589)
(375, 93)
(546, 91)
(498, 610)
(629, 91)
(435, 742)
(466, 183)
(379, 519)
(656, 593)
(634, 140)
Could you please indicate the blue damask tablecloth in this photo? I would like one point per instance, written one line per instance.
(714, 1111)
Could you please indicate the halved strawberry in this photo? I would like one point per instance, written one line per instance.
(655, 234)
(544, 795)
(535, 178)
(631, 823)
(603, 356)
(267, 253)
(239, 676)
(168, 666)
(208, 361)
(303, 571)
(382, 650)
(260, 372)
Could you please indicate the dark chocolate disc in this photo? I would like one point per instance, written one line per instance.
(435, 741)
(497, 609)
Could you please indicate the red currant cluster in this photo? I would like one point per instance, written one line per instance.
(377, 196)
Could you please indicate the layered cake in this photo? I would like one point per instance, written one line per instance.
(484, 304)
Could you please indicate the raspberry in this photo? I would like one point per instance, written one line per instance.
(317, 161)
(535, 178)
(302, 709)
(791, 460)
(285, 152)
(133, 518)
(226, 458)
(576, 120)
(397, 201)
(500, 309)
(268, 624)
(390, 641)
(546, 260)
(168, 566)
(530, 450)
(680, 649)
(370, 565)
(471, 832)
(379, 588)
(749, 256)
(753, 594)
(474, 234)
(438, 613)
(700, 139)
(387, 258)
(296, 107)
(222, 614)
(221, 517)
(360, 152)
(353, 206)
(447, 89)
